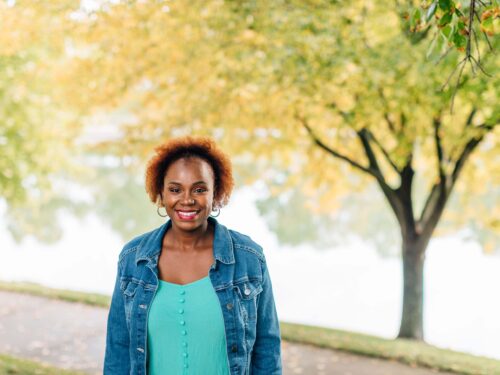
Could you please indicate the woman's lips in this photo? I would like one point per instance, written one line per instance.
(186, 215)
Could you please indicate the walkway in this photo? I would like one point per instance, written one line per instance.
(72, 335)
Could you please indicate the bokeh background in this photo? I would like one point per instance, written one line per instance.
(353, 128)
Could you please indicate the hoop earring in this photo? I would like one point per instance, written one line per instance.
(218, 213)
(159, 214)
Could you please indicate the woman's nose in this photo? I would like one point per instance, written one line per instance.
(187, 199)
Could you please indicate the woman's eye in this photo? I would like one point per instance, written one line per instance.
(200, 190)
(173, 190)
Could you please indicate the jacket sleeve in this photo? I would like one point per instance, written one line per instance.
(117, 356)
(266, 354)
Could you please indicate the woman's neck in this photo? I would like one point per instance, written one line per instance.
(188, 241)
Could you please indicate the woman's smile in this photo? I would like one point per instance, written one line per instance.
(187, 215)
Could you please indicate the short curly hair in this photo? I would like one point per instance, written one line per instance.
(189, 147)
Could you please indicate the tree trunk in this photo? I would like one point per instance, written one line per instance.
(413, 293)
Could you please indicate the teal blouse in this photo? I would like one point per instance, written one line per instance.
(186, 330)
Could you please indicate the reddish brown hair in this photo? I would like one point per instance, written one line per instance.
(188, 147)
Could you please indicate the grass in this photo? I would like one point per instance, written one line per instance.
(16, 366)
(94, 299)
(401, 350)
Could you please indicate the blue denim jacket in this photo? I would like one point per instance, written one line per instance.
(241, 281)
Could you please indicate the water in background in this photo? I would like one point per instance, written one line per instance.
(349, 287)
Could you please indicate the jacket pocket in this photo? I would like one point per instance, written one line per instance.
(129, 289)
(247, 293)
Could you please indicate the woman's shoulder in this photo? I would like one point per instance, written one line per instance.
(243, 242)
(132, 245)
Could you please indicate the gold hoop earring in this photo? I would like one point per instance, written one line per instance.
(159, 214)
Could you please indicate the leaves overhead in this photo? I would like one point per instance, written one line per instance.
(256, 75)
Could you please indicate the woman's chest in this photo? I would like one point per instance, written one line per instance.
(181, 267)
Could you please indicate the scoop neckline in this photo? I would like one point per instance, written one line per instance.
(183, 285)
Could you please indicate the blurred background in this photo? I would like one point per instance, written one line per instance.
(359, 132)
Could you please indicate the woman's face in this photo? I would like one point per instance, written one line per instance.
(188, 192)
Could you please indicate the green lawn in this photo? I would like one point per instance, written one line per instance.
(93, 299)
(406, 351)
(17, 366)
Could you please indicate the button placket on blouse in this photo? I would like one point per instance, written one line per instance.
(182, 323)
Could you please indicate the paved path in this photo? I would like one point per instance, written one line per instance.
(72, 335)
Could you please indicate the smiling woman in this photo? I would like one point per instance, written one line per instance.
(192, 297)
(190, 148)
(188, 193)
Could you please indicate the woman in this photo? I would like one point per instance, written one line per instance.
(192, 297)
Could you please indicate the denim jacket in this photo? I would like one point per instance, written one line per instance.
(241, 281)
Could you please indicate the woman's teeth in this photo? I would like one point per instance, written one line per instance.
(187, 214)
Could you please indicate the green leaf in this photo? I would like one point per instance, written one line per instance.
(431, 11)
(445, 4)
(415, 19)
(487, 23)
(440, 43)
(417, 15)
(447, 31)
(459, 40)
(446, 19)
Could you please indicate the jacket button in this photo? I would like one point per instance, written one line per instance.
(234, 348)
(229, 306)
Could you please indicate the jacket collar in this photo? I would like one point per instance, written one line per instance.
(151, 244)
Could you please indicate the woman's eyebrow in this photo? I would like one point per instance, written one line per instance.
(194, 183)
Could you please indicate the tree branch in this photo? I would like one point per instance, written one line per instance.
(390, 123)
(472, 10)
(470, 117)
(332, 152)
(438, 190)
(439, 150)
(384, 151)
(364, 136)
(429, 206)
(436, 201)
(467, 150)
(395, 201)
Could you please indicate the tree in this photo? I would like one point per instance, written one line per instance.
(304, 91)
(34, 131)
(457, 24)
